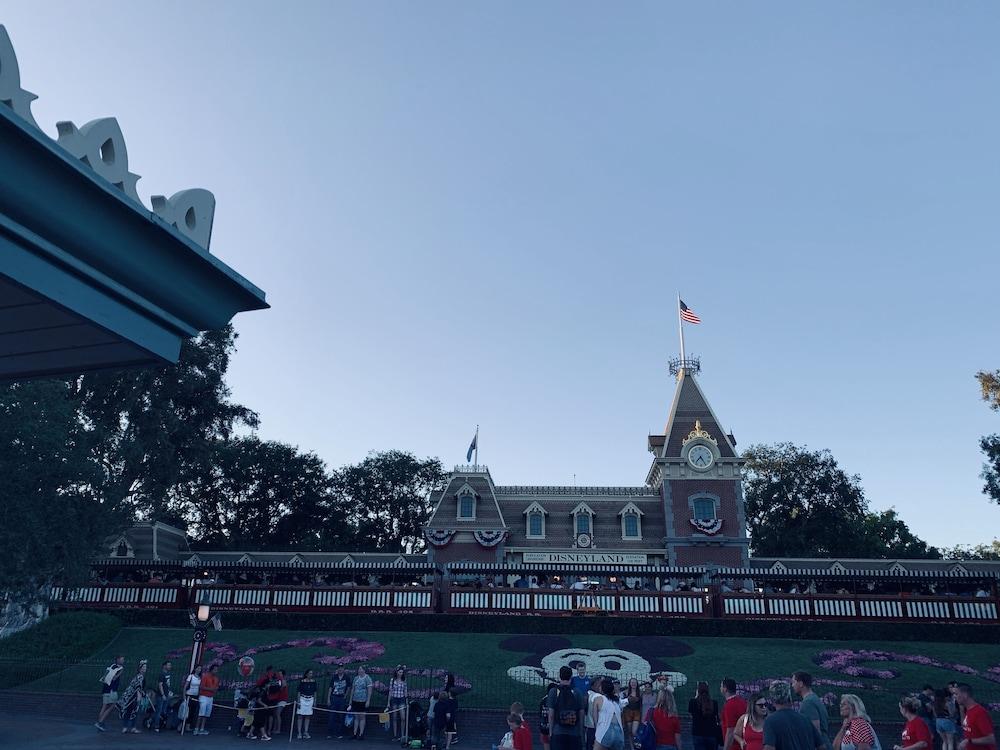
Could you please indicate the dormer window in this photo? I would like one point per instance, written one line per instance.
(631, 521)
(466, 504)
(122, 550)
(583, 520)
(535, 521)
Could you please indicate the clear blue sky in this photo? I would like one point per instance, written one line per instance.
(473, 213)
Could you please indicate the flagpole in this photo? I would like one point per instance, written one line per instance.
(680, 327)
(477, 447)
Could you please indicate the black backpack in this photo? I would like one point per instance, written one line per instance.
(567, 709)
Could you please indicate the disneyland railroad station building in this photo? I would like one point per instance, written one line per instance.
(689, 512)
(675, 546)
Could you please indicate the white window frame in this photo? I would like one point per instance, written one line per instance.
(631, 510)
(466, 491)
(533, 510)
(583, 509)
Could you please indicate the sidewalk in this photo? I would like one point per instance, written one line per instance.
(49, 732)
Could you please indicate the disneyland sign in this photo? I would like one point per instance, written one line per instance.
(585, 558)
(100, 145)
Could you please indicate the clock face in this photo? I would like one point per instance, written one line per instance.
(583, 540)
(701, 457)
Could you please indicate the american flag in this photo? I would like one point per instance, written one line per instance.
(687, 314)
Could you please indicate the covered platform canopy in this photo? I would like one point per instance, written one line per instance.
(846, 576)
(89, 277)
(266, 566)
(567, 569)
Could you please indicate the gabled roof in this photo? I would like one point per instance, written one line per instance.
(689, 405)
(445, 501)
(533, 508)
(631, 508)
(152, 541)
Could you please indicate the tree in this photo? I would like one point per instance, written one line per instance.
(800, 503)
(261, 495)
(152, 428)
(387, 499)
(989, 382)
(978, 552)
(886, 535)
(52, 517)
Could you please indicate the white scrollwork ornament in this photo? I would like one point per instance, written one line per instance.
(191, 211)
(100, 145)
(11, 92)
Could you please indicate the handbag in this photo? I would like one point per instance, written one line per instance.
(182, 710)
(349, 719)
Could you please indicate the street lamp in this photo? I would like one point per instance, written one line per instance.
(200, 622)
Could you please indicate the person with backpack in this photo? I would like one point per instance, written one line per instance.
(565, 713)
(706, 731)
(109, 691)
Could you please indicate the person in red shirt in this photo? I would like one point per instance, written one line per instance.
(977, 726)
(733, 708)
(916, 733)
(520, 733)
(666, 723)
(206, 696)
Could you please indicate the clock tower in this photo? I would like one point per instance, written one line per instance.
(697, 472)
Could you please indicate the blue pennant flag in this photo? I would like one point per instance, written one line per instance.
(472, 446)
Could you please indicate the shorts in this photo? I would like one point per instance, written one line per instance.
(358, 707)
(397, 702)
(946, 726)
(306, 705)
(631, 714)
(107, 698)
(205, 705)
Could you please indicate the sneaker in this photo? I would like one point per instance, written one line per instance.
(298, 736)
(133, 730)
(204, 732)
(307, 736)
(124, 730)
(100, 727)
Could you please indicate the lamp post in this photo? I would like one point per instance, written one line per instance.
(201, 619)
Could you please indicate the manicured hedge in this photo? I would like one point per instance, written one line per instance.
(63, 637)
(612, 626)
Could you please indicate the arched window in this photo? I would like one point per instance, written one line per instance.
(582, 523)
(536, 524)
(122, 550)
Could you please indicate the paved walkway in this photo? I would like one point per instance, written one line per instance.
(34, 731)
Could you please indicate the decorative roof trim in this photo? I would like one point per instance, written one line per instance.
(699, 434)
(533, 490)
(534, 508)
(582, 508)
(631, 508)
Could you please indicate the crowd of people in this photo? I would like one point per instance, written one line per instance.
(598, 713)
(259, 707)
(580, 712)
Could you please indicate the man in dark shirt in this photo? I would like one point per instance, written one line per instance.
(337, 699)
(565, 714)
(786, 729)
(164, 693)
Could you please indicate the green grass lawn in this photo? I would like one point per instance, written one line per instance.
(483, 659)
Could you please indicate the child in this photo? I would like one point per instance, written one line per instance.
(242, 704)
(521, 734)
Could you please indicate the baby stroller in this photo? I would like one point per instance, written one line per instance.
(417, 726)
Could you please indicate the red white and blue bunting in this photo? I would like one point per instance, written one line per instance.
(708, 527)
(439, 537)
(490, 538)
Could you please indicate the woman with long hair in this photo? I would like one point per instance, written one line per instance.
(632, 713)
(749, 730)
(916, 733)
(608, 731)
(128, 704)
(944, 718)
(705, 728)
(666, 722)
(397, 702)
(856, 731)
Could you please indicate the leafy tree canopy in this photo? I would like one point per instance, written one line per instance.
(989, 382)
(989, 551)
(800, 503)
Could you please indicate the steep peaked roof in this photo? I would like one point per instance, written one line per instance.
(445, 515)
(689, 405)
